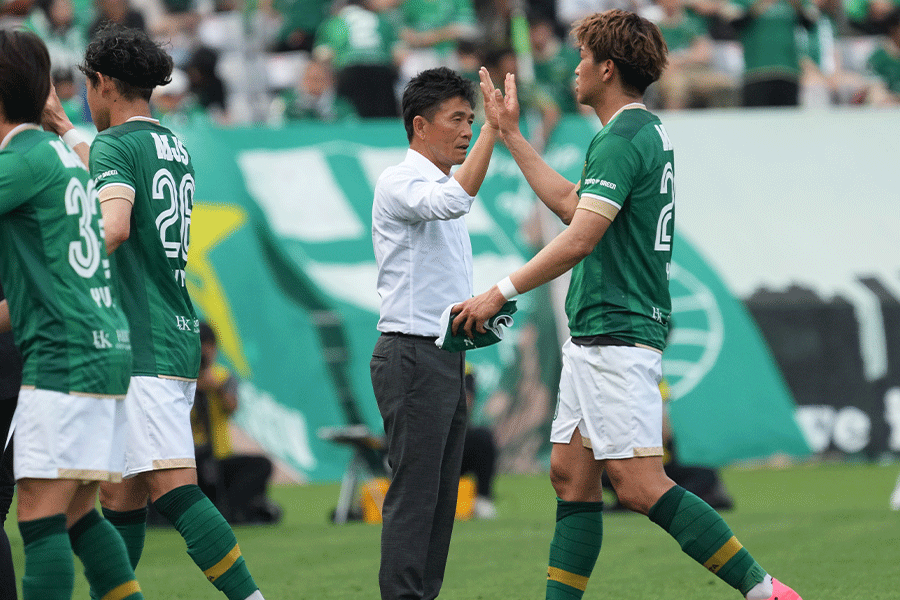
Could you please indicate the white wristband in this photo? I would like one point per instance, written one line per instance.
(72, 138)
(507, 289)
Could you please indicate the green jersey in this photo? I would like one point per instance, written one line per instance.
(884, 63)
(148, 158)
(770, 41)
(65, 313)
(621, 289)
(425, 15)
(357, 36)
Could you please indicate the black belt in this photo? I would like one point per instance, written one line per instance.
(427, 338)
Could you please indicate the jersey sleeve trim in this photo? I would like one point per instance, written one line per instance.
(112, 191)
(600, 205)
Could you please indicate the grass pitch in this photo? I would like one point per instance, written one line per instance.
(825, 529)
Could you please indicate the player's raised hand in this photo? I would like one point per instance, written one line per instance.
(490, 103)
(508, 106)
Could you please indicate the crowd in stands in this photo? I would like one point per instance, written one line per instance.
(276, 61)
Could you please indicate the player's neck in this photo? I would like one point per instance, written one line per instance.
(610, 106)
(124, 110)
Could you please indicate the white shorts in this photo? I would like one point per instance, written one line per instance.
(611, 393)
(158, 412)
(65, 436)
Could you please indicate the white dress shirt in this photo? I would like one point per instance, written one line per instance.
(422, 247)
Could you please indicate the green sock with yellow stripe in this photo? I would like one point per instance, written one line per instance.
(102, 552)
(706, 537)
(574, 549)
(210, 540)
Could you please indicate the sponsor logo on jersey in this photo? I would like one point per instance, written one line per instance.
(106, 174)
(603, 182)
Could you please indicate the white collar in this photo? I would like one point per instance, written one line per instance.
(630, 105)
(424, 166)
(140, 118)
(17, 129)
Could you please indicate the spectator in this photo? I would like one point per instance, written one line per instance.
(175, 106)
(554, 64)
(299, 21)
(824, 80)
(690, 80)
(431, 29)
(54, 22)
(313, 99)
(119, 12)
(884, 65)
(362, 48)
(71, 96)
(871, 16)
(206, 85)
(767, 31)
(479, 456)
(236, 483)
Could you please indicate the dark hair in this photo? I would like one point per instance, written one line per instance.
(137, 63)
(24, 76)
(207, 334)
(426, 91)
(633, 43)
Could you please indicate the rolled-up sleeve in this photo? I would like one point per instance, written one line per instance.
(416, 198)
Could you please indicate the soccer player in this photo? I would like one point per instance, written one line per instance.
(619, 246)
(145, 181)
(73, 338)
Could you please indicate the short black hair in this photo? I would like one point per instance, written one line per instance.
(136, 62)
(426, 91)
(24, 76)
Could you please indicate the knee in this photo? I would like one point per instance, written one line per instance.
(573, 488)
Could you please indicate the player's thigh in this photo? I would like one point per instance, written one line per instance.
(574, 472)
(39, 498)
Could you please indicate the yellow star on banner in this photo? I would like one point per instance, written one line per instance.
(210, 224)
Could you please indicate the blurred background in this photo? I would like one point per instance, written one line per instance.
(786, 278)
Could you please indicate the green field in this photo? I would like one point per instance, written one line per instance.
(825, 529)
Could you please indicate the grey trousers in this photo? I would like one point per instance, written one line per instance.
(420, 393)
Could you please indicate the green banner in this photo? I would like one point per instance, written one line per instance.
(282, 262)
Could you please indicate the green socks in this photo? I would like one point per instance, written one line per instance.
(574, 549)
(49, 569)
(210, 540)
(132, 526)
(705, 537)
(106, 565)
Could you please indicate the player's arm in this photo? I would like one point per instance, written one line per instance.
(53, 118)
(116, 202)
(558, 193)
(565, 251)
(5, 324)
